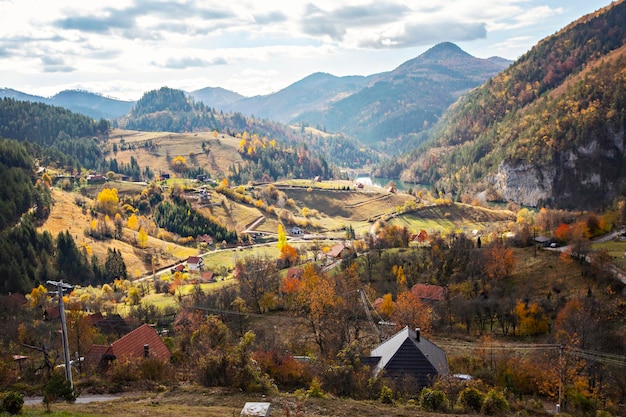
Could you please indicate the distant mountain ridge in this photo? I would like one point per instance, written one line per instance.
(377, 107)
(78, 101)
(408, 99)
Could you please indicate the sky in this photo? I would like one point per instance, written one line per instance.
(123, 48)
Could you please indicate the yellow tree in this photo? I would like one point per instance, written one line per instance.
(282, 237)
(179, 163)
(398, 271)
(142, 238)
(107, 201)
(39, 296)
(387, 307)
(532, 319)
(133, 222)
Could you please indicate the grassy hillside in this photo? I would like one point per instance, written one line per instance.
(220, 150)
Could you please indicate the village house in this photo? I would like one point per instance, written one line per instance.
(143, 342)
(408, 354)
(195, 263)
(338, 251)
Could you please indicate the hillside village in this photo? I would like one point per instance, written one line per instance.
(183, 256)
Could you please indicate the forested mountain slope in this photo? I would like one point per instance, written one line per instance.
(548, 130)
(170, 110)
(408, 99)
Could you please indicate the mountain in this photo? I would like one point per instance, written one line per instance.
(312, 93)
(90, 104)
(78, 101)
(408, 99)
(216, 97)
(549, 130)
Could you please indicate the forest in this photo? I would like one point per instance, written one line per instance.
(546, 109)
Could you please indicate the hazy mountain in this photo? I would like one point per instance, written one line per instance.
(91, 104)
(312, 93)
(548, 130)
(84, 102)
(18, 95)
(216, 97)
(408, 99)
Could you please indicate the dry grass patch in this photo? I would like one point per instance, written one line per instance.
(221, 150)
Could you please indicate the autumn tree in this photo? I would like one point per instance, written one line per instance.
(411, 311)
(179, 163)
(499, 262)
(142, 238)
(282, 237)
(317, 301)
(133, 222)
(289, 255)
(107, 201)
(532, 319)
(257, 277)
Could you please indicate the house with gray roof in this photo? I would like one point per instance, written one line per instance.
(409, 354)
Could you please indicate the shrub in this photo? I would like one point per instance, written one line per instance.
(57, 388)
(315, 389)
(433, 400)
(494, 403)
(386, 395)
(12, 403)
(471, 399)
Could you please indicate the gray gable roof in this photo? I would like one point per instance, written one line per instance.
(406, 353)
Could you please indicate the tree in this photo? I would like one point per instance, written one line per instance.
(499, 262)
(142, 238)
(114, 266)
(107, 201)
(410, 311)
(289, 255)
(133, 222)
(257, 276)
(282, 237)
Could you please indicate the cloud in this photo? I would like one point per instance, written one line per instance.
(114, 19)
(270, 18)
(336, 23)
(190, 62)
(423, 34)
(145, 19)
(55, 64)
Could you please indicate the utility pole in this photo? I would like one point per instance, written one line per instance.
(558, 406)
(61, 287)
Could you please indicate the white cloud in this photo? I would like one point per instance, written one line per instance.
(126, 45)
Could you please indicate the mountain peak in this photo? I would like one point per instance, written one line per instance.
(444, 50)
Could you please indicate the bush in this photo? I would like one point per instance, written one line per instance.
(386, 395)
(433, 400)
(315, 389)
(12, 403)
(494, 403)
(470, 399)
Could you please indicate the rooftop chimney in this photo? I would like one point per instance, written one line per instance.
(146, 350)
(417, 334)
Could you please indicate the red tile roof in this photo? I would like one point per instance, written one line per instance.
(429, 292)
(132, 344)
(194, 260)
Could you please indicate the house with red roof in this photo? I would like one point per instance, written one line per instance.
(143, 342)
(195, 263)
(429, 293)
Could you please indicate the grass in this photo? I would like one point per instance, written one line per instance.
(222, 150)
(617, 249)
(195, 401)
